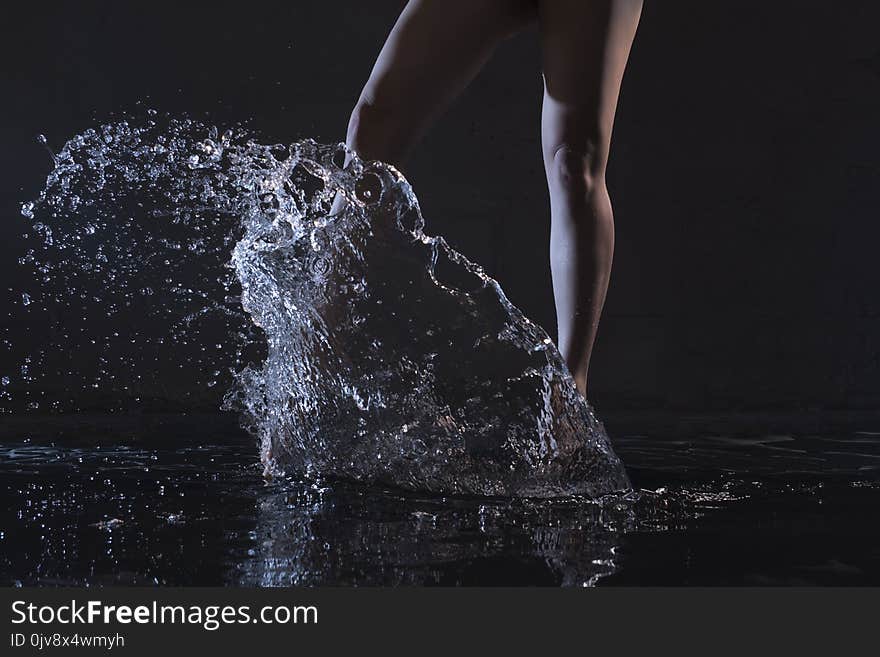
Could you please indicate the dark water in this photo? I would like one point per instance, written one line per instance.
(180, 500)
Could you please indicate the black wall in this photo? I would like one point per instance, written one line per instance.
(744, 170)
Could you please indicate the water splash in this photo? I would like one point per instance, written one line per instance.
(353, 344)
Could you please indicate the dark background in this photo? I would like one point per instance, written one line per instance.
(744, 169)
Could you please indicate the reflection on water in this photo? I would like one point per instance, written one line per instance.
(180, 501)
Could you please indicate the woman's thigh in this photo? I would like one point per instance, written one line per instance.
(585, 46)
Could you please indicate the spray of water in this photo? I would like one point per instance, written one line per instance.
(174, 257)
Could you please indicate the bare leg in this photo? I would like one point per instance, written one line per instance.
(434, 50)
(585, 45)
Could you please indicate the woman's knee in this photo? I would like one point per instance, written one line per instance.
(577, 168)
(379, 131)
(368, 116)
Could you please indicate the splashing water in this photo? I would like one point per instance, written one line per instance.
(357, 345)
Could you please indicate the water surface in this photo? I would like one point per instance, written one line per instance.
(181, 500)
